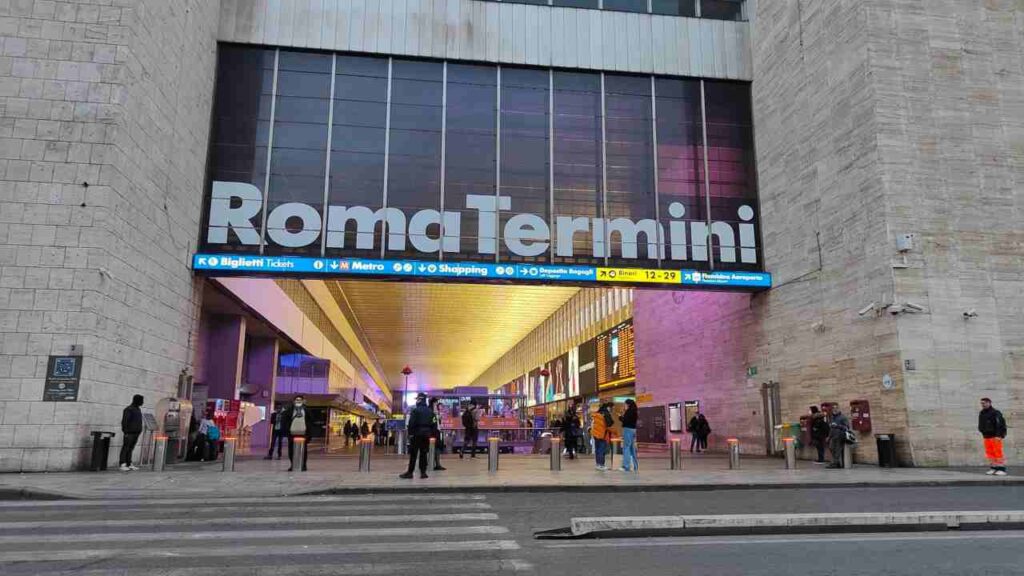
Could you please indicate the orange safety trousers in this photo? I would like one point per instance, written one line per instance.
(994, 451)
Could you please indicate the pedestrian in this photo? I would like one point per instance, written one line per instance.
(277, 434)
(692, 427)
(209, 434)
(354, 433)
(296, 417)
(703, 432)
(437, 436)
(992, 426)
(819, 433)
(469, 422)
(364, 430)
(420, 426)
(571, 430)
(601, 431)
(837, 438)
(375, 432)
(628, 420)
(131, 427)
(346, 431)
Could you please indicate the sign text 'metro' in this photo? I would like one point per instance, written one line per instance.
(237, 206)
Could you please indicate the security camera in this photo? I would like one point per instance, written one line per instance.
(867, 309)
(972, 313)
(895, 309)
(913, 306)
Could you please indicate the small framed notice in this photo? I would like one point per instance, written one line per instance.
(62, 376)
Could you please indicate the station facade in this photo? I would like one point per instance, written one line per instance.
(867, 156)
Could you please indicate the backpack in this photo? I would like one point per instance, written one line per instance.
(213, 433)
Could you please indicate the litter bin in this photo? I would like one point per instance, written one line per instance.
(100, 449)
(886, 444)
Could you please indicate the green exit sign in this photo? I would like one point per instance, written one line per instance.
(751, 371)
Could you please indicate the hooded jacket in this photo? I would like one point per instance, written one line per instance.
(131, 418)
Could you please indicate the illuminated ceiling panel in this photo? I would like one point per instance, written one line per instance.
(447, 333)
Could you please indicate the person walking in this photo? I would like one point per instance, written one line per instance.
(992, 426)
(375, 432)
(354, 433)
(277, 434)
(571, 430)
(692, 427)
(420, 427)
(131, 427)
(346, 431)
(470, 423)
(364, 430)
(296, 422)
(437, 436)
(837, 437)
(601, 431)
(703, 432)
(628, 420)
(819, 433)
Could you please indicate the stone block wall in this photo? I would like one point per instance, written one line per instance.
(948, 79)
(104, 115)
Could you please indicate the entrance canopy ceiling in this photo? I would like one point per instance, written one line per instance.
(447, 333)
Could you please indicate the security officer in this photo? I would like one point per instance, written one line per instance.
(420, 426)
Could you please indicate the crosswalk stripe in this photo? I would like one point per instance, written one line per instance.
(241, 521)
(150, 552)
(476, 566)
(275, 500)
(252, 534)
(405, 507)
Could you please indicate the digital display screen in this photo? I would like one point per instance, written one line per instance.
(616, 359)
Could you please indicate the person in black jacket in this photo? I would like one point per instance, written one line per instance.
(629, 419)
(435, 433)
(420, 425)
(131, 427)
(837, 438)
(819, 432)
(295, 421)
(571, 430)
(992, 426)
(277, 433)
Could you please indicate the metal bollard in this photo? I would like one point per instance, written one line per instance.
(160, 454)
(432, 453)
(365, 450)
(847, 455)
(492, 454)
(298, 454)
(734, 453)
(556, 453)
(677, 454)
(790, 446)
(612, 448)
(229, 455)
(402, 442)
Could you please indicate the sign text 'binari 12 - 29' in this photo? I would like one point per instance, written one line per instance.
(235, 206)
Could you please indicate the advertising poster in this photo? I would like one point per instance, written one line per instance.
(574, 372)
(588, 368)
(535, 388)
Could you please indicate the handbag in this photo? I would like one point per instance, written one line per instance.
(850, 437)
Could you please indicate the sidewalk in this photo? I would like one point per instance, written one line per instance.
(338, 474)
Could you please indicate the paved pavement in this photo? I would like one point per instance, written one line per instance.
(257, 477)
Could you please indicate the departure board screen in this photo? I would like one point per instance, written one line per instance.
(616, 358)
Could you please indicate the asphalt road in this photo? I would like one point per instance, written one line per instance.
(487, 534)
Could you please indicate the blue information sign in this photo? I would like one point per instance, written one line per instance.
(473, 271)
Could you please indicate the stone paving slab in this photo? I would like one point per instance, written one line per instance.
(257, 477)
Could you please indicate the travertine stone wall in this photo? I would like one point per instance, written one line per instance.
(104, 116)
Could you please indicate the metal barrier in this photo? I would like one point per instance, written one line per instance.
(734, 453)
(365, 451)
(298, 454)
(160, 454)
(229, 455)
(677, 454)
(614, 445)
(492, 453)
(402, 442)
(789, 445)
(847, 455)
(556, 453)
(432, 453)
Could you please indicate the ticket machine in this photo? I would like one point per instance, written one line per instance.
(173, 416)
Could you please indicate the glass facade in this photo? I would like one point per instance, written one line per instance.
(460, 161)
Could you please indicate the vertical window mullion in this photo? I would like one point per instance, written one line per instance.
(604, 172)
(707, 175)
(270, 149)
(551, 165)
(444, 143)
(657, 197)
(497, 170)
(387, 162)
(327, 166)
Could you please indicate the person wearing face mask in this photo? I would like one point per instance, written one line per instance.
(296, 422)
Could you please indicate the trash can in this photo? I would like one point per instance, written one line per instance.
(886, 444)
(100, 450)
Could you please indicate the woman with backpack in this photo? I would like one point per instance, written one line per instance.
(209, 435)
(602, 433)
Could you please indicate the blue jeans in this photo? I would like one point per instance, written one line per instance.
(600, 447)
(629, 449)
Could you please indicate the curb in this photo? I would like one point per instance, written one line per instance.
(793, 523)
(31, 494)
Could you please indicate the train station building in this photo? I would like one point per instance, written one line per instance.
(737, 207)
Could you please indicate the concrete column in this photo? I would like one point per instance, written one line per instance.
(225, 347)
(261, 377)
